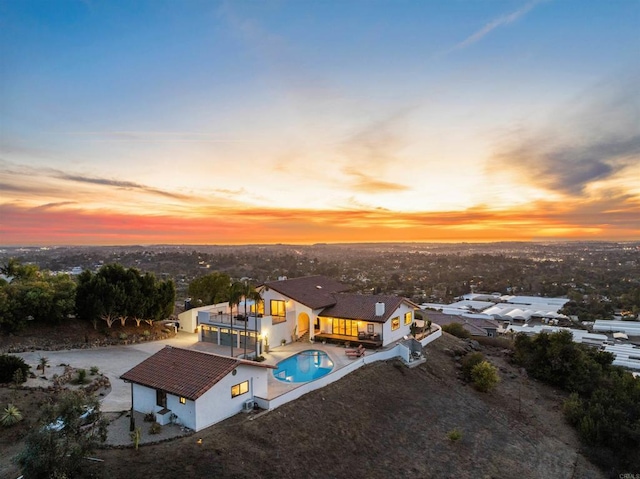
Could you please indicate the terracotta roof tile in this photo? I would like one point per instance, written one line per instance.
(362, 307)
(184, 372)
(313, 291)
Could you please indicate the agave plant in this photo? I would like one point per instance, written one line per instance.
(10, 416)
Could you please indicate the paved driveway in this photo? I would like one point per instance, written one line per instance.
(113, 362)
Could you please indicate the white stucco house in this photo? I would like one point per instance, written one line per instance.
(312, 307)
(193, 388)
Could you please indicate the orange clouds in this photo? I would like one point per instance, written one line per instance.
(57, 224)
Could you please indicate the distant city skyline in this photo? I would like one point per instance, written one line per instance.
(236, 122)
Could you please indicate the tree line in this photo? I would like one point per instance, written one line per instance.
(112, 293)
(604, 400)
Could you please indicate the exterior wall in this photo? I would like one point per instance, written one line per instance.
(217, 404)
(188, 321)
(144, 399)
(186, 412)
(288, 329)
(389, 336)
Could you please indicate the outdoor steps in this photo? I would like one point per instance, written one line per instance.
(304, 338)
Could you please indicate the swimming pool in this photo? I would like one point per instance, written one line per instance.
(304, 366)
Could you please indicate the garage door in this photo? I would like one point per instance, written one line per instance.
(228, 337)
(250, 339)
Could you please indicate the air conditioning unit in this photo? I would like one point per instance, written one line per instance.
(248, 405)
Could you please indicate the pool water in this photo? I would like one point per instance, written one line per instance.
(304, 366)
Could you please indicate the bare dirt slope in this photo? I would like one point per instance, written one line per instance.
(383, 421)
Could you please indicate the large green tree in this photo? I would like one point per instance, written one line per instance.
(115, 292)
(31, 294)
(209, 289)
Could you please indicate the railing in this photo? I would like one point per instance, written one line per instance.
(239, 320)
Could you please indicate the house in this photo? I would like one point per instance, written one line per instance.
(475, 326)
(313, 308)
(193, 388)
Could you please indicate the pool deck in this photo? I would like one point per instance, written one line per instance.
(275, 355)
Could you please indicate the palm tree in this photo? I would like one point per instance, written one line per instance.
(255, 296)
(247, 291)
(235, 293)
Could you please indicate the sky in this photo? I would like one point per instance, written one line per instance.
(274, 121)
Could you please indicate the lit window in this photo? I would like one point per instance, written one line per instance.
(278, 311)
(240, 389)
(183, 400)
(407, 318)
(395, 323)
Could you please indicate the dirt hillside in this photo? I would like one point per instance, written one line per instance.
(383, 421)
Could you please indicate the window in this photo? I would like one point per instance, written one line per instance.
(259, 309)
(370, 328)
(183, 400)
(161, 398)
(240, 389)
(346, 327)
(407, 318)
(278, 311)
(395, 323)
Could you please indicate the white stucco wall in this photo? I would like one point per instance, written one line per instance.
(217, 404)
(389, 336)
(144, 399)
(186, 412)
(286, 330)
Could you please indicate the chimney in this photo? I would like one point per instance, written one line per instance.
(379, 309)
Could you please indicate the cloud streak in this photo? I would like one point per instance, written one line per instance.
(582, 145)
(608, 218)
(492, 25)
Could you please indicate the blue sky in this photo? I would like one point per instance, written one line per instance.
(201, 109)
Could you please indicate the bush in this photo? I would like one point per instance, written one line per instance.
(8, 366)
(123, 336)
(94, 370)
(454, 435)
(57, 452)
(469, 362)
(82, 376)
(146, 333)
(150, 417)
(484, 376)
(155, 428)
(456, 329)
(10, 416)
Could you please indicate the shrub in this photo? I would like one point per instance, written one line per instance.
(469, 362)
(43, 362)
(146, 333)
(8, 366)
(456, 329)
(18, 377)
(155, 428)
(10, 416)
(454, 435)
(484, 376)
(259, 359)
(150, 417)
(82, 376)
(94, 370)
(123, 336)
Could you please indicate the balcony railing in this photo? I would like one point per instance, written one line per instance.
(239, 320)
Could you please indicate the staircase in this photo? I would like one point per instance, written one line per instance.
(304, 338)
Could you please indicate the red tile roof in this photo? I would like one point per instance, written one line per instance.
(312, 291)
(363, 307)
(184, 372)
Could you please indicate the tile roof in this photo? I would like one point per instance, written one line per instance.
(362, 307)
(312, 291)
(474, 325)
(184, 372)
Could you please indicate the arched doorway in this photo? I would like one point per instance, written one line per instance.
(303, 324)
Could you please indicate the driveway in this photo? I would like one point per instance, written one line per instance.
(113, 362)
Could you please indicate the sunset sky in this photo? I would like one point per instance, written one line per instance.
(201, 122)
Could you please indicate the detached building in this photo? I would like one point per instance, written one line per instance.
(193, 388)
